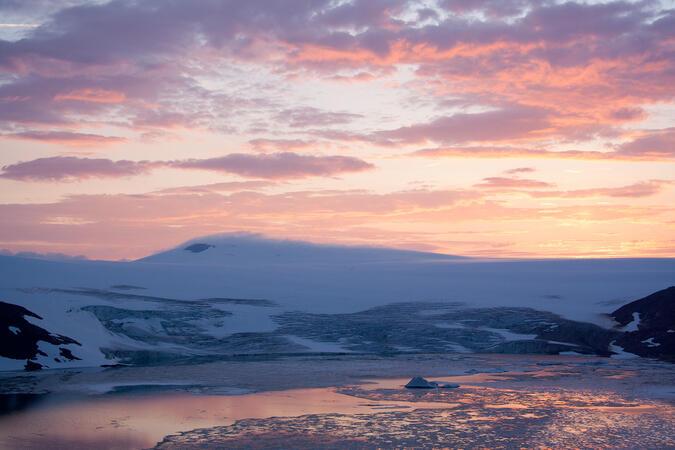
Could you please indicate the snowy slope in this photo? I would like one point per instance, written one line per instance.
(244, 294)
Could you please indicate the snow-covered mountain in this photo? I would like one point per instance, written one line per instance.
(228, 295)
(247, 249)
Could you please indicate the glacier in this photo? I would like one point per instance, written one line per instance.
(233, 295)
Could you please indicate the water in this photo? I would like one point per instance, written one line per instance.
(346, 402)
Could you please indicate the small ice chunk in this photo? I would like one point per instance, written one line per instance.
(420, 383)
(14, 330)
(447, 385)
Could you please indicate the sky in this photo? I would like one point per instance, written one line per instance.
(484, 128)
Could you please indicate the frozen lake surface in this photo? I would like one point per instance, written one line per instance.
(346, 401)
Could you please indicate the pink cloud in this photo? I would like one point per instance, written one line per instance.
(586, 68)
(636, 190)
(268, 166)
(515, 122)
(540, 189)
(518, 170)
(66, 138)
(73, 168)
(359, 77)
(92, 95)
(266, 145)
(523, 152)
(230, 186)
(284, 165)
(504, 182)
(493, 8)
(303, 117)
(628, 114)
(657, 144)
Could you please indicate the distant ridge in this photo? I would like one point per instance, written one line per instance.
(245, 248)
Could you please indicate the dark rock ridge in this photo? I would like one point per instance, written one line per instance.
(198, 248)
(19, 338)
(655, 334)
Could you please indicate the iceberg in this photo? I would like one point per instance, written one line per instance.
(421, 383)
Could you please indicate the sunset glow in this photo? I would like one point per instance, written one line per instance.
(485, 128)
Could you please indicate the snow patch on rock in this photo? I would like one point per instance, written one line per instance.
(650, 342)
(619, 352)
(633, 325)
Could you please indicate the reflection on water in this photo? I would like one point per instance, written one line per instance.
(143, 420)
(566, 405)
(466, 427)
(17, 402)
(471, 416)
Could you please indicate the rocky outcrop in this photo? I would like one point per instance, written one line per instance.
(198, 247)
(19, 338)
(649, 325)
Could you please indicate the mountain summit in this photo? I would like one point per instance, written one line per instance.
(246, 248)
